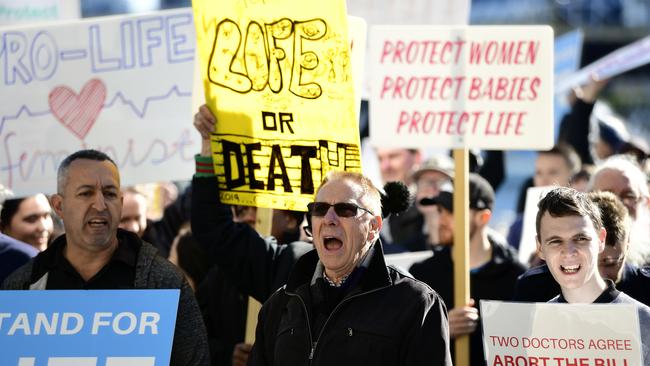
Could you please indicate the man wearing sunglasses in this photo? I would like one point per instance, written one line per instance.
(341, 303)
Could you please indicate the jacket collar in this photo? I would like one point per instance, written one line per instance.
(376, 276)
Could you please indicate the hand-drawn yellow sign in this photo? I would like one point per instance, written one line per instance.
(278, 75)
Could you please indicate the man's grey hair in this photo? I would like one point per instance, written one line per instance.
(626, 166)
(62, 173)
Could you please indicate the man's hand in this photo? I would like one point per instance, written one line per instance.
(240, 354)
(590, 91)
(463, 320)
(204, 122)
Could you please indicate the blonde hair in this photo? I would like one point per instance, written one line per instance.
(370, 196)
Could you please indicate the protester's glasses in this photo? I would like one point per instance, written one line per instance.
(342, 209)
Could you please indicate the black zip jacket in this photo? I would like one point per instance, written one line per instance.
(258, 266)
(386, 318)
(243, 264)
(190, 347)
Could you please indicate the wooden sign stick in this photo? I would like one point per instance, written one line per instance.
(460, 250)
(263, 223)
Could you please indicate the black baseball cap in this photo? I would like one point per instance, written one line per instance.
(481, 195)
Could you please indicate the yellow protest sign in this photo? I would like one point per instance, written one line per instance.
(277, 75)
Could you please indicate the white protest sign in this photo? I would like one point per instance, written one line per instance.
(543, 334)
(622, 60)
(122, 85)
(432, 12)
(33, 11)
(528, 243)
(405, 260)
(462, 87)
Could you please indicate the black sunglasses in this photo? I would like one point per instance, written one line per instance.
(342, 209)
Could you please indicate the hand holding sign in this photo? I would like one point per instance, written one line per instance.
(463, 320)
(204, 122)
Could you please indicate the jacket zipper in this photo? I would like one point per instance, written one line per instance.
(304, 306)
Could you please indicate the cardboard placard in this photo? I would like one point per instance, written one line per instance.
(277, 75)
(87, 328)
(545, 334)
(488, 87)
(122, 85)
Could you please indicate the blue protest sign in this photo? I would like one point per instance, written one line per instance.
(568, 50)
(87, 328)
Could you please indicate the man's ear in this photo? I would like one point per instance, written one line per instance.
(57, 204)
(375, 227)
(484, 217)
(539, 247)
(602, 236)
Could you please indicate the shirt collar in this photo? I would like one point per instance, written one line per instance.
(607, 296)
(124, 253)
(319, 272)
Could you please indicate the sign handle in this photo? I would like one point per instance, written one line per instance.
(263, 226)
(460, 250)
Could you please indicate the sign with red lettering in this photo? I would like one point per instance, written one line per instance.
(477, 87)
(551, 334)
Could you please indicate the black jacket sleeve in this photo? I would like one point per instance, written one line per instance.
(190, 346)
(494, 168)
(161, 233)
(574, 130)
(429, 340)
(258, 266)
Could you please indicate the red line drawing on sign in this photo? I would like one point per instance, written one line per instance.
(78, 112)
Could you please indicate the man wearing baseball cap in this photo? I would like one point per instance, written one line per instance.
(415, 229)
(494, 265)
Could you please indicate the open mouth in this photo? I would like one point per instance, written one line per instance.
(331, 243)
(570, 269)
(97, 223)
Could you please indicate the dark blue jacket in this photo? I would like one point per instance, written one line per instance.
(13, 254)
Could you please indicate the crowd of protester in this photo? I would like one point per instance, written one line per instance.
(225, 261)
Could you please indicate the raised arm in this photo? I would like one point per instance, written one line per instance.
(257, 265)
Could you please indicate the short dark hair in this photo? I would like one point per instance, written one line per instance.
(296, 215)
(568, 154)
(563, 201)
(88, 154)
(8, 211)
(614, 215)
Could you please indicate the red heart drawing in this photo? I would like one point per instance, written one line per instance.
(79, 112)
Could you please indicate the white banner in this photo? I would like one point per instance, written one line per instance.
(622, 60)
(122, 85)
(543, 334)
(476, 87)
(528, 243)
